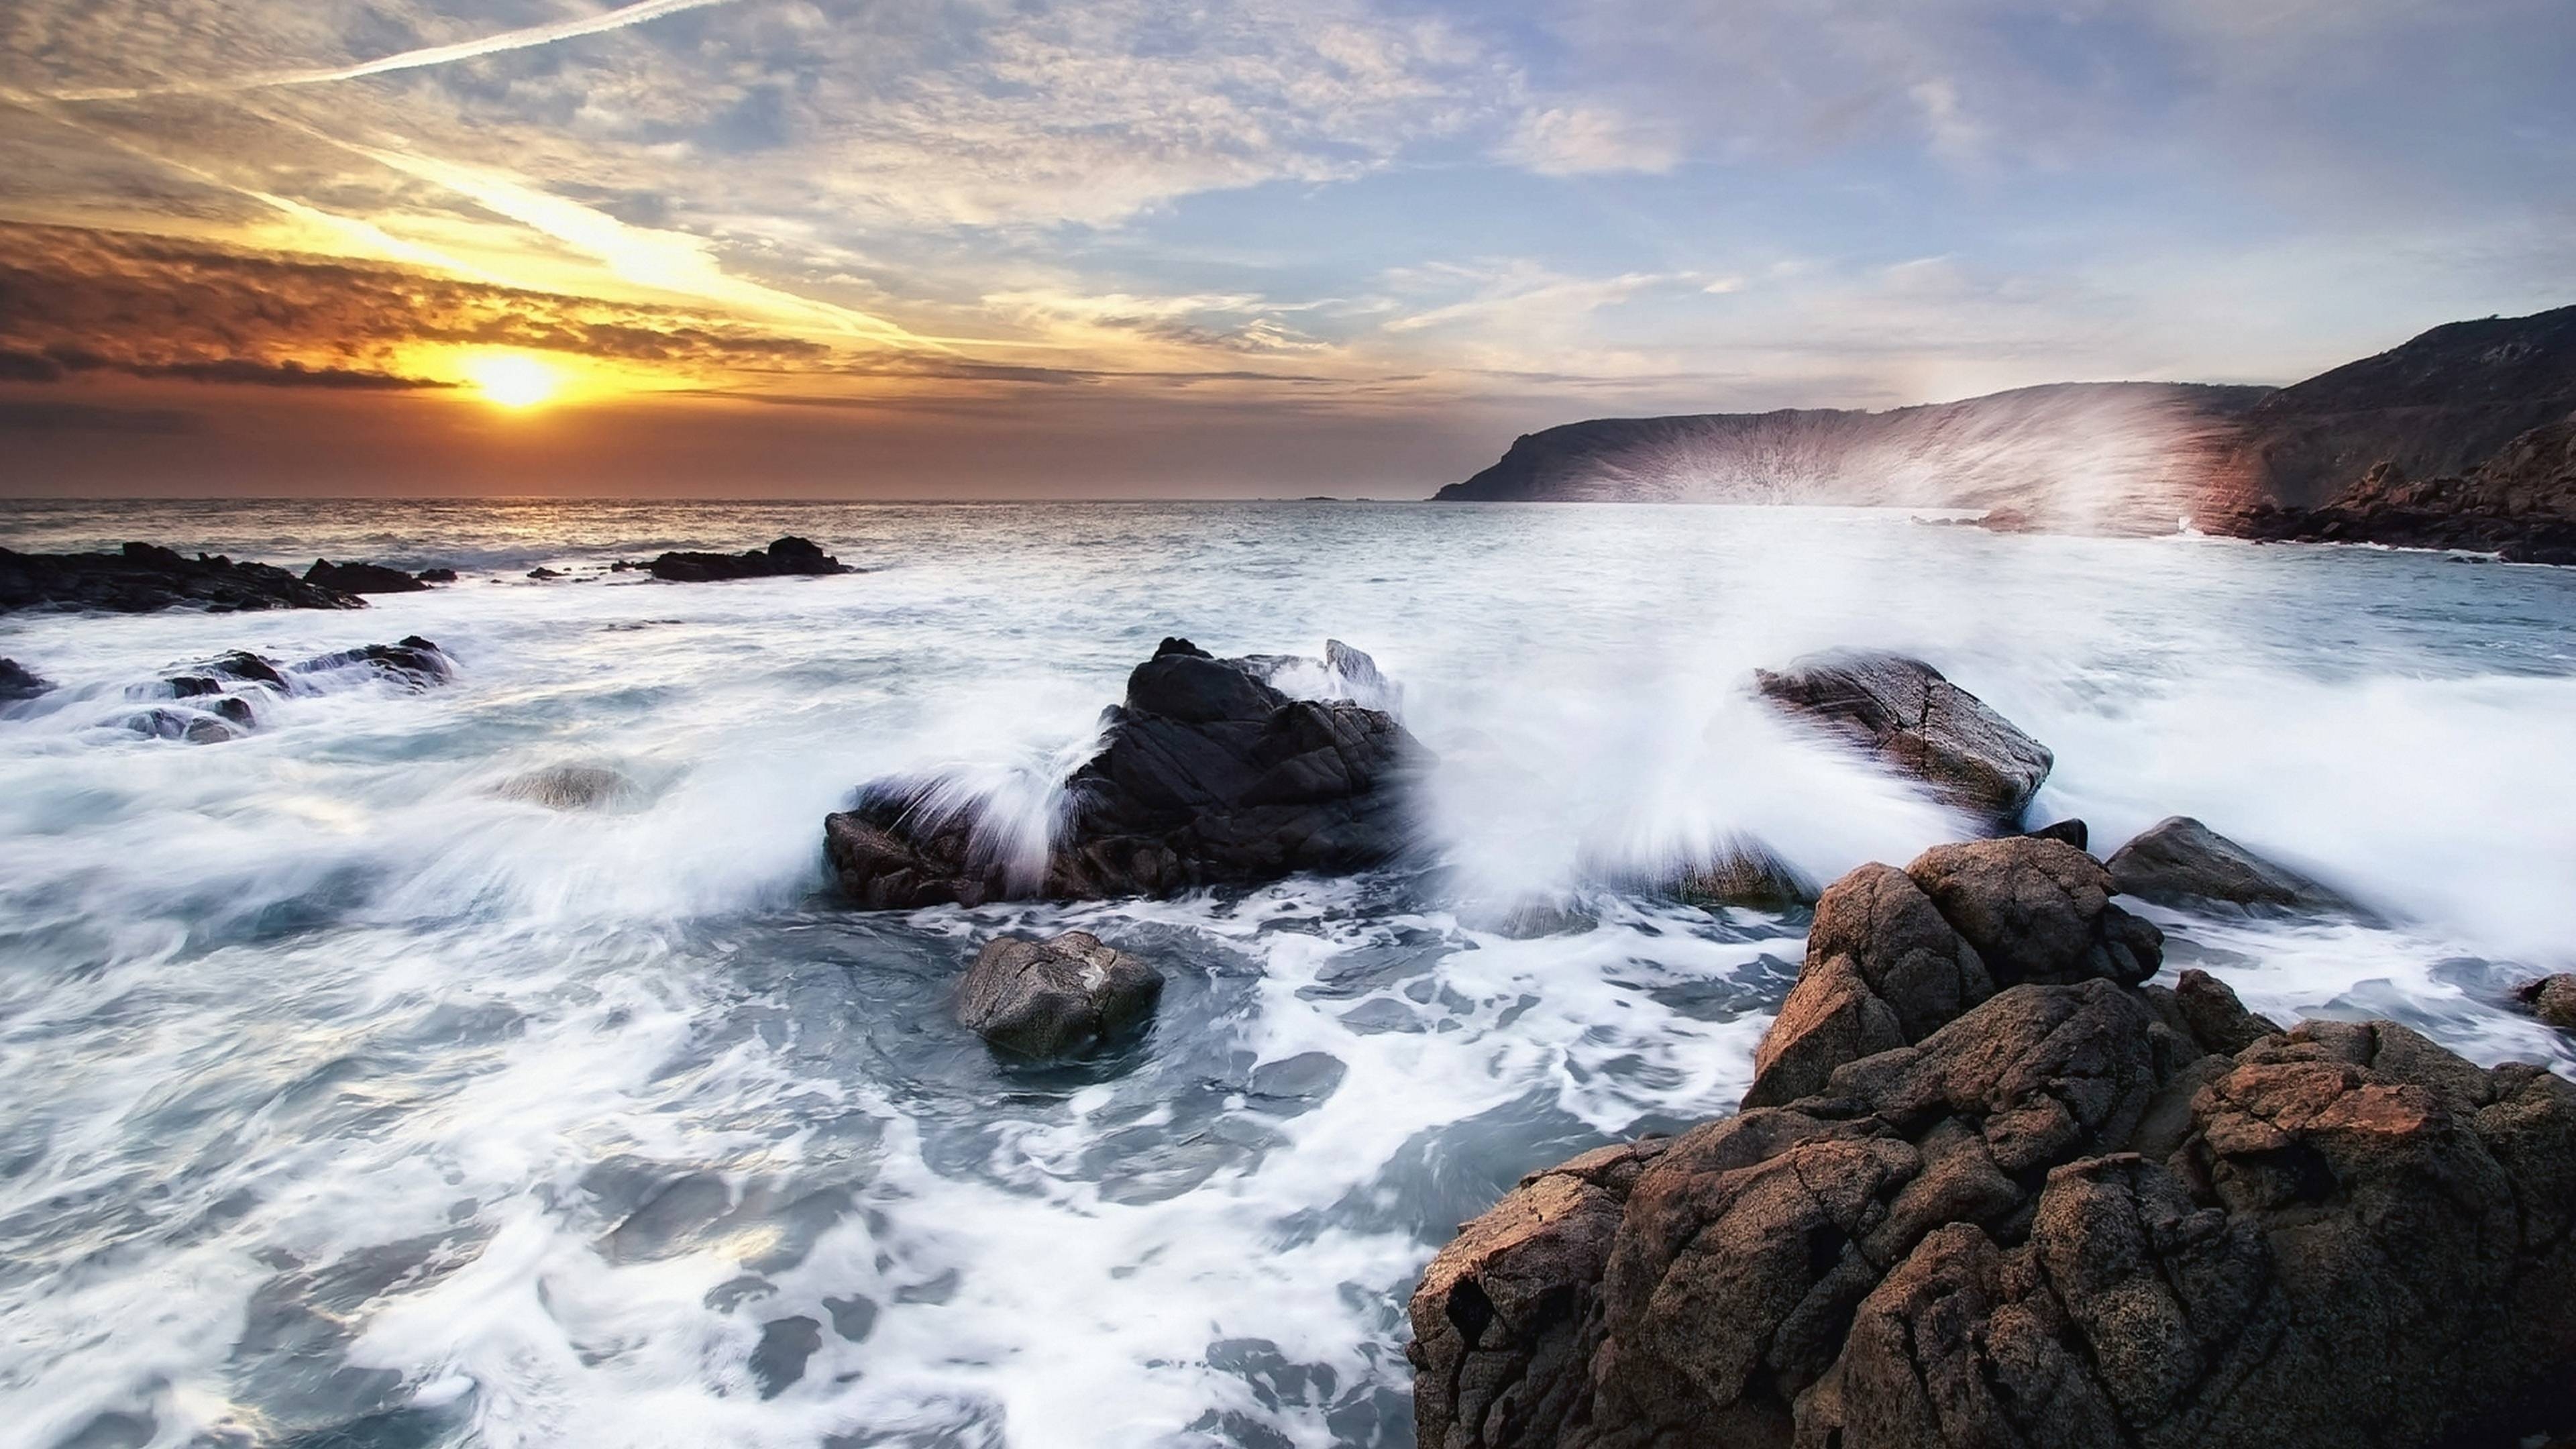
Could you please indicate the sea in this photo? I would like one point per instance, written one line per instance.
(351, 1097)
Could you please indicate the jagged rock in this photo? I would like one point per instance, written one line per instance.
(436, 576)
(1904, 712)
(363, 578)
(1894, 955)
(2181, 862)
(544, 575)
(413, 662)
(1055, 998)
(1206, 775)
(2552, 999)
(141, 578)
(1745, 874)
(571, 787)
(785, 556)
(2074, 1213)
(18, 682)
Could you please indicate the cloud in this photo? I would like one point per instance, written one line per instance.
(1576, 140)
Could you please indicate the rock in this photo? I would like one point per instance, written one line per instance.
(2074, 1213)
(414, 662)
(1904, 712)
(783, 557)
(571, 787)
(191, 726)
(436, 576)
(1745, 874)
(543, 575)
(18, 682)
(142, 578)
(362, 578)
(2181, 862)
(1055, 998)
(1893, 956)
(2552, 999)
(2072, 832)
(1206, 775)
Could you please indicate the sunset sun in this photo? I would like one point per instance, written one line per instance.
(512, 380)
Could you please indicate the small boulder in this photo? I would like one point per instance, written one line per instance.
(1055, 998)
(571, 787)
(2552, 999)
(440, 575)
(1904, 712)
(18, 682)
(362, 578)
(413, 662)
(2072, 832)
(1745, 874)
(2181, 862)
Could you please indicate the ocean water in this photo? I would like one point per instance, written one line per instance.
(353, 1101)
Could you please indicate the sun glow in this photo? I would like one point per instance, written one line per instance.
(511, 379)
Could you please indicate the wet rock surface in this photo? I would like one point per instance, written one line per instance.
(1207, 775)
(2180, 862)
(224, 698)
(783, 557)
(141, 578)
(1913, 719)
(2552, 999)
(19, 682)
(364, 578)
(1056, 998)
(1996, 1193)
(571, 787)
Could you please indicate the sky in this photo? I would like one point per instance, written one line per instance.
(1198, 248)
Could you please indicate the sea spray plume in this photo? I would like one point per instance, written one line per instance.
(2097, 457)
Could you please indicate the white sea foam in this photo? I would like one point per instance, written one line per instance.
(353, 1093)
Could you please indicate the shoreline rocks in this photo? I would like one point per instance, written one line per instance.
(1909, 716)
(783, 557)
(2180, 862)
(18, 682)
(213, 699)
(1997, 1194)
(1056, 998)
(142, 578)
(364, 578)
(1206, 775)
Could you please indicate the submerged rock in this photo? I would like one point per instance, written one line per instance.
(2067, 1212)
(571, 787)
(1904, 712)
(413, 662)
(18, 682)
(363, 578)
(1206, 775)
(141, 578)
(2181, 862)
(1055, 998)
(1748, 875)
(785, 556)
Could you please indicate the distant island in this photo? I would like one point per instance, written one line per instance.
(2463, 437)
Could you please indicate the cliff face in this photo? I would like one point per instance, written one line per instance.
(2436, 406)
(2070, 455)
(2456, 439)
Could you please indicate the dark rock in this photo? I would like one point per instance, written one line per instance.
(142, 578)
(196, 727)
(785, 1345)
(1055, 998)
(414, 662)
(783, 557)
(362, 578)
(18, 682)
(2071, 832)
(542, 574)
(1904, 712)
(2037, 910)
(436, 576)
(1206, 776)
(2552, 999)
(1745, 874)
(2181, 862)
(2074, 1213)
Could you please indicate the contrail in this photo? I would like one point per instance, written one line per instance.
(617, 19)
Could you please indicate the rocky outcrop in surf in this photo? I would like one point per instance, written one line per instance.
(783, 557)
(366, 578)
(2071, 1211)
(225, 697)
(2180, 862)
(1911, 718)
(142, 578)
(1207, 774)
(1056, 998)
(2519, 504)
(19, 682)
